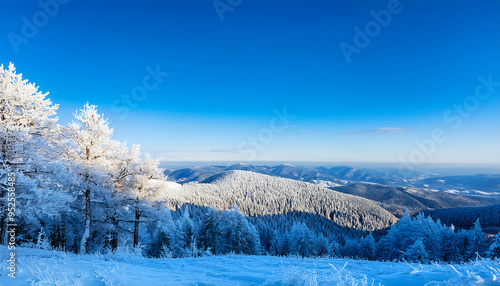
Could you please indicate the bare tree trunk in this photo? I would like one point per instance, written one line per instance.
(136, 223)
(114, 232)
(3, 218)
(88, 216)
(3, 192)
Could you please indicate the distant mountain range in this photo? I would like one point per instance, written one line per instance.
(338, 175)
(479, 184)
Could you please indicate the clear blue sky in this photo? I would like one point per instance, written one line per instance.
(226, 77)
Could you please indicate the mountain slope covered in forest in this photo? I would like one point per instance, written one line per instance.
(258, 194)
(395, 199)
(489, 217)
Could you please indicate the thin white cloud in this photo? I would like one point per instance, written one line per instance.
(382, 131)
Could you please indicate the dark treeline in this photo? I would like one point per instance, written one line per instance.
(465, 217)
(193, 231)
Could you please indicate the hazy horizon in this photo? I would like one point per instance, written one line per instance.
(440, 168)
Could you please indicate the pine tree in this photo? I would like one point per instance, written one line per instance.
(237, 234)
(209, 230)
(451, 252)
(494, 250)
(335, 249)
(476, 241)
(286, 242)
(58, 237)
(274, 248)
(176, 241)
(187, 229)
(301, 240)
(322, 247)
(351, 248)
(417, 252)
(367, 248)
(462, 241)
(384, 247)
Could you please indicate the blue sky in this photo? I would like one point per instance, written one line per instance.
(226, 77)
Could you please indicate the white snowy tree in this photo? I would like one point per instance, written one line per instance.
(494, 250)
(28, 149)
(476, 241)
(302, 240)
(148, 182)
(89, 152)
(322, 246)
(417, 252)
(367, 248)
(209, 230)
(124, 166)
(237, 234)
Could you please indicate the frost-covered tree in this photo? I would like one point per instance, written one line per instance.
(417, 252)
(301, 240)
(274, 247)
(209, 230)
(176, 242)
(237, 234)
(27, 149)
(335, 249)
(494, 250)
(476, 241)
(89, 151)
(367, 249)
(351, 248)
(451, 251)
(187, 229)
(147, 184)
(123, 167)
(425, 227)
(322, 246)
(462, 239)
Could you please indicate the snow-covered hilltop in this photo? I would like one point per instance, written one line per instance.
(389, 189)
(258, 194)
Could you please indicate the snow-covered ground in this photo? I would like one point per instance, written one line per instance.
(41, 267)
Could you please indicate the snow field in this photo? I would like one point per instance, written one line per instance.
(42, 267)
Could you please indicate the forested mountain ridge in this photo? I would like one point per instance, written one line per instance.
(465, 217)
(395, 199)
(391, 191)
(486, 185)
(258, 194)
